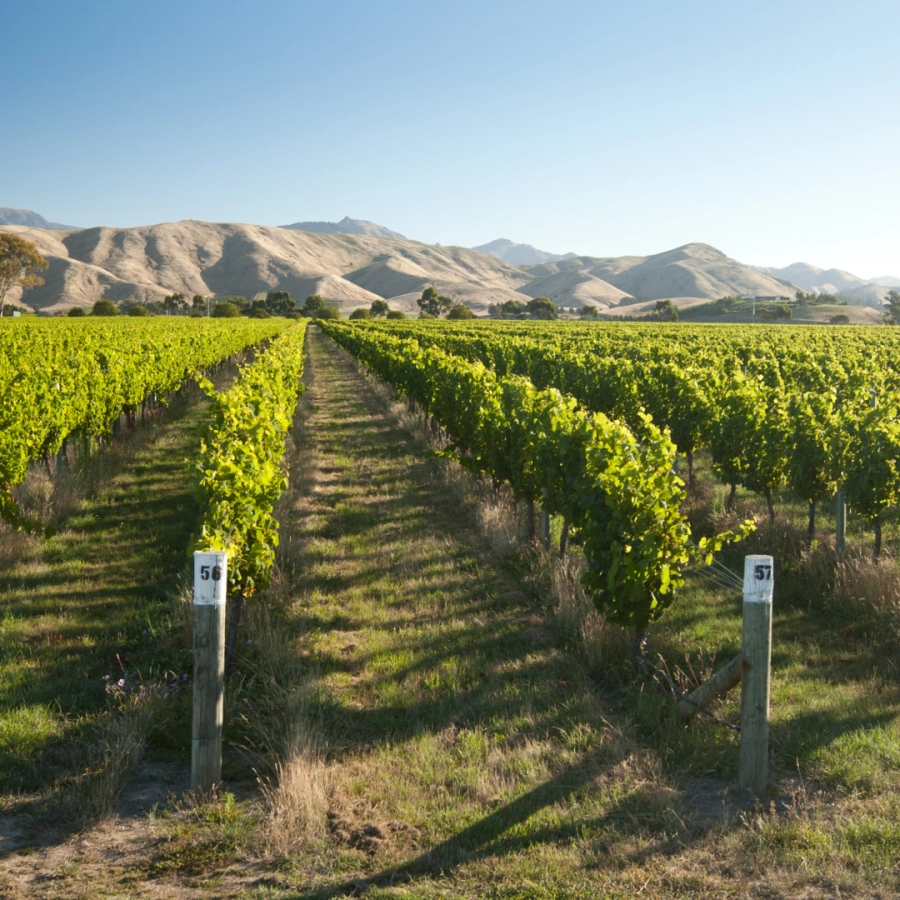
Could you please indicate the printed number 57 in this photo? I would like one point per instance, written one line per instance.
(762, 572)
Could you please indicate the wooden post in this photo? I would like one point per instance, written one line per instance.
(840, 536)
(545, 518)
(210, 582)
(757, 658)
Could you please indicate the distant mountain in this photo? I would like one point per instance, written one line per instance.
(146, 263)
(886, 281)
(835, 281)
(192, 257)
(10, 216)
(694, 270)
(519, 254)
(346, 226)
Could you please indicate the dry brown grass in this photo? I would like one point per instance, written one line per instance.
(110, 760)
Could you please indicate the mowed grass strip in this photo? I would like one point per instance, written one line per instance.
(457, 730)
(92, 605)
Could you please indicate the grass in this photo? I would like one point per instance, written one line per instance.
(93, 605)
(433, 710)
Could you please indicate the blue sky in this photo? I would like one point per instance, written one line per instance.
(769, 129)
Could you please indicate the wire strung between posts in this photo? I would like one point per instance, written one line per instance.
(720, 575)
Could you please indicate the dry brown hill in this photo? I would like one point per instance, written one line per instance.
(206, 258)
(194, 257)
(694, 270)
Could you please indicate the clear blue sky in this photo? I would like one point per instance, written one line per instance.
(768, 129)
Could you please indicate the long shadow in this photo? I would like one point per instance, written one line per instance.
(482, 838)
(92, 600)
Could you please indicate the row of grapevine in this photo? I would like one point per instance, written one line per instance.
(808, 408)
(240, 462)
(59, 378)
(618, 494)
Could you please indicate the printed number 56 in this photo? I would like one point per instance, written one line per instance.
(216, 573)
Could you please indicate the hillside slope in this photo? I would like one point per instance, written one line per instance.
(856, 290)
(519, 254)
(193, 257)
(30, 219)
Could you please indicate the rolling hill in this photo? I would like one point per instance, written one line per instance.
(10, 216)
(346, 226)
(194, 257)
(149, 262)
(519, 254)
(854, 289)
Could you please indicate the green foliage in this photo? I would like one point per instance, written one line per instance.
(589, 312)
(76, 312)
(279, 303)
(360, 314)
(665, 311)
(542, 308)
(20, 262)
(460, 311)
(326, 312)
(396, 314)
(379, 309)
(59, 378)
(226, 310)
(433, 303)
(312, 305)
(240, 461)
(105, 308)
(892, 307)
(138, 311)
(175, 303)
(618, 492)
(840, 319)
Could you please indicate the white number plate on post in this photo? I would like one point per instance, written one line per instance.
(210, 577)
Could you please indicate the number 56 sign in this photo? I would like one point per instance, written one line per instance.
(210, 577)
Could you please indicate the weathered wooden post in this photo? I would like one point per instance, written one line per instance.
(545, 518)
(210, 582)
(840, 537)
(756, 665)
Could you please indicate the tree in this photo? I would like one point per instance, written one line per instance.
(361, 313)
(589, 312)
(433, 303)
(198, 303)
(892, 307)
(326, 312)
(312, 305)
(396, 314)
(666, 311)
(105, 308)
(76, 312)
(542, 308)
(379, 308)
(226, 310)
(175, 303)
(19, 263)
(279, 303)
(511, 308)
(840, 319)
(460, 311)
(138, 310)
